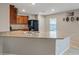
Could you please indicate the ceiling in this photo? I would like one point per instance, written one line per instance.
(45, 8)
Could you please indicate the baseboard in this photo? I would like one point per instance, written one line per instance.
(8, 54)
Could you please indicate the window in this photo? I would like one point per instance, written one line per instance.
(53, 24)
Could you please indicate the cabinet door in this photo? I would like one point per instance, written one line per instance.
(19, 19)
(13, 14)
(25, 19)
(22, 19)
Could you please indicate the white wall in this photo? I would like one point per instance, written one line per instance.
(63, 26)
(4, 17)
(41, 23)
(66, 28)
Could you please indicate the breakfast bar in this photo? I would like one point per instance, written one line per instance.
(33, 43)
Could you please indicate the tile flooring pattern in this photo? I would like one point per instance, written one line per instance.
(72, 51)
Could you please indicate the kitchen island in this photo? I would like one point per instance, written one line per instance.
(33, 43)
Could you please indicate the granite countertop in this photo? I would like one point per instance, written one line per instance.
(32, 34)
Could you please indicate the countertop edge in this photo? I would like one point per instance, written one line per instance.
(32, 37)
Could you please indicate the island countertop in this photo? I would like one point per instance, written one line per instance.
(33, 34)
(34, 43)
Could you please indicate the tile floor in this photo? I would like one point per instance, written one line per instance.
(72, 51)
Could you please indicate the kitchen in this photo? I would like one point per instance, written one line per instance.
(22, 22)
(23, 33)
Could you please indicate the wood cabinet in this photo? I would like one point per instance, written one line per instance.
(17, 20)
(13, 14)
(22, 19)
(14, 19)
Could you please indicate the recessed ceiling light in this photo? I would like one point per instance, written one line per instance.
(23, 10)
(53, 9)
(33, 3)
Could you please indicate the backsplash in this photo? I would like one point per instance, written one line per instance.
(19, 26)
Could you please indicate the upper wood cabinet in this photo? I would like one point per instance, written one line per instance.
(13, 14)
(14, 19)
(22, 19)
